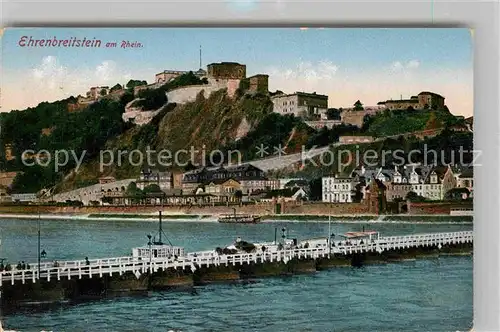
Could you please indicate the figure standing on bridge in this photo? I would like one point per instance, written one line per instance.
(87, 261)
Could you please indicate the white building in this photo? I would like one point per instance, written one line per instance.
(336, 189)
(28, 197)
(301, 104)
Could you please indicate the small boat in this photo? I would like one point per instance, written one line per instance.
(238, 218)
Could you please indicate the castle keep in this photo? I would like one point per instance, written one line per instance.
(259, 83)
(226, 71)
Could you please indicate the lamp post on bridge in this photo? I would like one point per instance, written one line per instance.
(41, 253)
(149, 244)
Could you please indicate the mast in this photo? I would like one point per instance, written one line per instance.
(160, 229)
(160, 232)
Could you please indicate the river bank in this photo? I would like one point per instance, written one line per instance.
(266, 218)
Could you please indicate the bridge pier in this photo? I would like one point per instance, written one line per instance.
(264, 269)
(26, 294)
(125, 284)
(457, 249)
(171, 278)
(301, 265)
(86, 288)
(335, 260)
(216, 274)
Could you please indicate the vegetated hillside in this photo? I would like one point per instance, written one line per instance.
(207, 123)
(210, 122)
(242, 123)
(50, 127)
(388, 123)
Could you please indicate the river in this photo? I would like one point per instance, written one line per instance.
(423, 295)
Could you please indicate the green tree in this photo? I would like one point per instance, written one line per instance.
(116, 87)
(433, 122)
(133, 191)
(315, 188)
(103, 92)
(152, 98)
(152, 188)
(133, 83)
(358, 106)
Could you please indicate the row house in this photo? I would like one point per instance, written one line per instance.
(430, 182)
(222, 190)
(250, 178)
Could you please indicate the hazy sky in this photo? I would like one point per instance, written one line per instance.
(346, 64)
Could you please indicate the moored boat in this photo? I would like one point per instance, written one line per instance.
(239, 218)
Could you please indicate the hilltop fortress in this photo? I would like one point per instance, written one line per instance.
(312, 107)
(423, 101)
(223, 75)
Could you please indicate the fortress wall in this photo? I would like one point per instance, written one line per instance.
(188, 94)
(91, 193)
(325, 208)
(435, 208)
(353, 117)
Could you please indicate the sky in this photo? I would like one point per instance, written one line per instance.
(347, 64)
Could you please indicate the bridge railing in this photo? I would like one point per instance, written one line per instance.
(112, 265)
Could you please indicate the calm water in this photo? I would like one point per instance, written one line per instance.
(424, 295)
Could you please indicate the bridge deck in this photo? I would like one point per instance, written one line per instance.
(110, 266)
